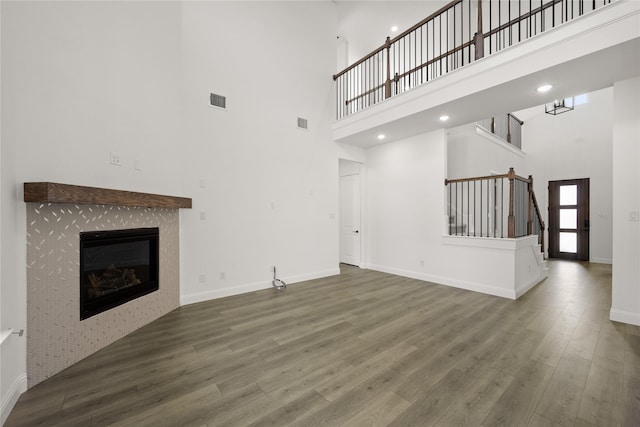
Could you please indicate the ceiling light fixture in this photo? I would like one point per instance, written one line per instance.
(381, 136)
(544, 88)
(444, 118)
(559, 106)
(394, 28)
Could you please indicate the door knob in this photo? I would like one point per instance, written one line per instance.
(356, 231)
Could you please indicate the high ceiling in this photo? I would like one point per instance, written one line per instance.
(366, 24)
(576, 58)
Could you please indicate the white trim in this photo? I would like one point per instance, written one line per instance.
(4, 335)
(439, 280)
(18, 387)
(528, 286)
(505, 244)
(502, 143)
(251, 287)
(602, 260)
(625, 317)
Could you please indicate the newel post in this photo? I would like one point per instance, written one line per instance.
(478, 38)
(511, 222)
(530, 222)
(387, 83)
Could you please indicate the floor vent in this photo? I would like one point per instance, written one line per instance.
(302, 123)
(217, 100)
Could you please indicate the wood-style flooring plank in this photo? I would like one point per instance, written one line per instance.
(363, 348)
(517, 404)
(562, 396)
(602, 398)
(476, 400)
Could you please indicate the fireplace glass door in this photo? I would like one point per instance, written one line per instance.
(116, 267)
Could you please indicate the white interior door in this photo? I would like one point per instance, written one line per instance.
(350, 233)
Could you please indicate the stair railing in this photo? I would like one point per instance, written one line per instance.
(450, 38)
(495, 206)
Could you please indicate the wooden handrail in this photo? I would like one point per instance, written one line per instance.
(425, 20)
(390, 41)
(435, 59)
(513, 116)
(358, 62)
(540, 221)
(530, 214)
(355, 86)
(483, 178)
(523, 17)
(477, 178)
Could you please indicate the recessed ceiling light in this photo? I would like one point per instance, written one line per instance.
(444, 118)
(544, 88)
(394, 28)
(381, 136)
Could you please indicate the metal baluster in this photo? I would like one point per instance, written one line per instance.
(481, 235)
(502, 207)
(488, 209)
(500, 33)
(469, 3)
(456, 210)
(468, 207)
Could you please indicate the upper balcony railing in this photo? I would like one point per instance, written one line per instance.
(452, 37)
(507, 127)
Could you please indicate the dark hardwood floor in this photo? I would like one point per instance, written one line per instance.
(364, 348)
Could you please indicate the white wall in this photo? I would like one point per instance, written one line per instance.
(406, 224)
(81, 79)
(405, 202)
(268, 191)
(625, 305)
(473, 151)
(575, 144)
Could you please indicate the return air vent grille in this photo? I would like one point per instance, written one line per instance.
(217, 100)
(302, 123)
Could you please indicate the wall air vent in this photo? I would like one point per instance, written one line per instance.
(217, 100)
(302, 123)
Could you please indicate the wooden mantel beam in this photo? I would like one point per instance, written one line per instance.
(50, 192)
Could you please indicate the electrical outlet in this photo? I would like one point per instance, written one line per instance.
(223, 275)
(202, 278)
(114, 159)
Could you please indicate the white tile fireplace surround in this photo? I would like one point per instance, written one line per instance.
(56, 337)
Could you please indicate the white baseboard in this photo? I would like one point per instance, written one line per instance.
(625, 317)
(461, 284)
(18, 387)
(528, 286)
(602, 260)
(251, 287)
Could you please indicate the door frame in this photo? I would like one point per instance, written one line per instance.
(583, 219)
(359, 170)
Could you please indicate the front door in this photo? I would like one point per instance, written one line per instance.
(569, 219)
(350, 219)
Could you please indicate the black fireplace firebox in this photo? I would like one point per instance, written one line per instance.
(117, 266)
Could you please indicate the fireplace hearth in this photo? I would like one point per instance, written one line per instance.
(117, 266)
